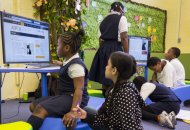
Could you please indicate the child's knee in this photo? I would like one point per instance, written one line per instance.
(32, 107)
(40, 111)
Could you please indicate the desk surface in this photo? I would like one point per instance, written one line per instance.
(32, 70)
(141, 64)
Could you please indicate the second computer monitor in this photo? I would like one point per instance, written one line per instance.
(139, 48)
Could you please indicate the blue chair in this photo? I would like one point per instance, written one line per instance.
(148, 101)
(183, 92)
(57, 124)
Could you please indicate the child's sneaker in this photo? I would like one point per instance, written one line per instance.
(164, 120)
(172, 118)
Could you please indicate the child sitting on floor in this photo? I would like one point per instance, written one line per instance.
(172, 56)
(163, 99)
(164, 72)
(122, 108)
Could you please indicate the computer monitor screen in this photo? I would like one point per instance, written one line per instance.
(24, 40)
(139, 48)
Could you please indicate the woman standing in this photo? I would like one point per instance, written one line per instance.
(113, 36)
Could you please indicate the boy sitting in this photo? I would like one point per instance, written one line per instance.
(164, 72)
(172, 56)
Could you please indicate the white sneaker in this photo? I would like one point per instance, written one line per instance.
(172, 118)
(164, 120)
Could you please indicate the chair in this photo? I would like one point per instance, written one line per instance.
(95, 93)
(183, 92)
(57, 124)
(19, 125)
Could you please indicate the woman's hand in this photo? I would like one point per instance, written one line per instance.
(69, 119)
(79, 113)
(56, 62)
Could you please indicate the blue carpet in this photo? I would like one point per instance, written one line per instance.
(10, 108)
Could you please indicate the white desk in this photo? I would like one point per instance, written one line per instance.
(43, 72)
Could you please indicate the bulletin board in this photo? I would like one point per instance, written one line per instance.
(142, 20)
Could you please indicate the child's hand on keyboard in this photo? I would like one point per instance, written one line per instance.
(56, 62)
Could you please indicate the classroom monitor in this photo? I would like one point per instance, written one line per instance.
(24, 40)
(139, 48)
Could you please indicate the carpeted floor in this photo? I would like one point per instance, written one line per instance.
(13, 111)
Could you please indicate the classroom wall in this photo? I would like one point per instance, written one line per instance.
(12, 84)
(175, 28)
(185, 28)
(177, 23)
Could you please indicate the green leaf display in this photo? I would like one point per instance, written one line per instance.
(151, 17)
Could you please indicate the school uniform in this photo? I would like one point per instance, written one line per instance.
(167, 76)
(110, 29)
(180, 71)
(163, 98)
(120, 111)
(61, 103)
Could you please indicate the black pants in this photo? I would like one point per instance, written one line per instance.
(90, 119)
(150, 112)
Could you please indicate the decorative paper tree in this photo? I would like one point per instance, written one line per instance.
(62, 15)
